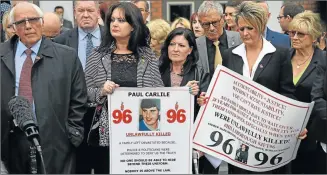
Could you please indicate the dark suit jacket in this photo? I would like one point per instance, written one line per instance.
(68, 24)
(70, 38)
(318, 127)
(60, 96)
(303, 90)
(278, 39)
(276, 72)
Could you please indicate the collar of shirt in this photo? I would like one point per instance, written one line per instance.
(95, 33)
(152, 129)
(21, 48)
(222, 39)
(241, 51)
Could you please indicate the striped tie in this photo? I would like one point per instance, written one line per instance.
(25, 83)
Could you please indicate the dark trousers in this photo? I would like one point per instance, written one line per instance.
(286, 169)
(89, 157)
(303, 163)
(320, 161)
(205, 167)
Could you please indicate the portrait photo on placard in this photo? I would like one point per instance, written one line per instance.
(149, 119)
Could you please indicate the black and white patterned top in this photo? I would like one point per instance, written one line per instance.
(99, 69)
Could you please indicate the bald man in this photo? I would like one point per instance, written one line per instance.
(52, 25)
(275, 38)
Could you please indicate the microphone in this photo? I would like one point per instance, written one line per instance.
(195, 156)
(22, 112)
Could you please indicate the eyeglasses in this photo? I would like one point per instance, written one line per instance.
(22, 23)
(206, 25)
(280, 17)
(245, 27)
(298, 34)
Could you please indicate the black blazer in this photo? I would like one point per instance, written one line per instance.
(318, 127)
(70, 37)
(275, 73)
(303, 90)
(195, 73)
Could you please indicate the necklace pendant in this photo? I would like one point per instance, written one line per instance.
(297, 66)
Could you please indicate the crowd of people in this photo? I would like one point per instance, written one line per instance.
(67, 72)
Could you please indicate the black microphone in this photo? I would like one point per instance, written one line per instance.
(21, 110)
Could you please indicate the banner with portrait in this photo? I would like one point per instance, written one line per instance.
(151, 130)
(248, 125)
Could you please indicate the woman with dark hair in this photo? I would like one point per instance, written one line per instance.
(123, 59)
(179, 56)
(196, 26)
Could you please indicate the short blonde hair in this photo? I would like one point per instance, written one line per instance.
(310, 21)
(253, 14)
(5, 23)
(159, 30)
(180, 20)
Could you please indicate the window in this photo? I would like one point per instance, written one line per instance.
(179, 9)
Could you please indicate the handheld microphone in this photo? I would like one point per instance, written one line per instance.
(195, 156)
(22, 112)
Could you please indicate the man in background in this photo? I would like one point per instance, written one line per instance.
(275, 38)
(51, 26)
(144, 8)
(59, 10)
(287, 13)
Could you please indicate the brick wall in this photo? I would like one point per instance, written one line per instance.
(156, 9)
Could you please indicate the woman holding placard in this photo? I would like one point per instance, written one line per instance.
(260, 61)
(179, 56)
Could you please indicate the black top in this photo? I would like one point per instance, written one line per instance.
(124, 69)
(211, 50)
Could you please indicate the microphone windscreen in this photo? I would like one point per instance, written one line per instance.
(21, 110)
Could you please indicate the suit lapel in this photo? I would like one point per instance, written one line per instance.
(262, 65)
(202, 47)
(74, 39)
(309, 69)
(269, 37)
(238, 64)
(9, 58)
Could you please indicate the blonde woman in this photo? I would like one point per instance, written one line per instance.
(181, 22)
(258, 60)
(305, 56)
(159, 30)
(7, 27)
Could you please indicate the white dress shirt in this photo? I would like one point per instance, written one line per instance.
(241, 51)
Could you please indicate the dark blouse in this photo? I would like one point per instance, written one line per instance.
(124, 69)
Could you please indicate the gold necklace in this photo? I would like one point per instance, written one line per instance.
(298, 65)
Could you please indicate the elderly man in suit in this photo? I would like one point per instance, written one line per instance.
(216, 39)
(275, 38)
(51, 77)
(83, 39)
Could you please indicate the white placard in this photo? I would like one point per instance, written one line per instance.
(248, 125)
(151, 130)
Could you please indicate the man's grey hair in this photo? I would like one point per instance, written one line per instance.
(263, 2)
(207, 6)
(147, 6)
(36, 8)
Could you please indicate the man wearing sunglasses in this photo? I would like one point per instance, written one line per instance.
(50, 76)
(216, 39)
